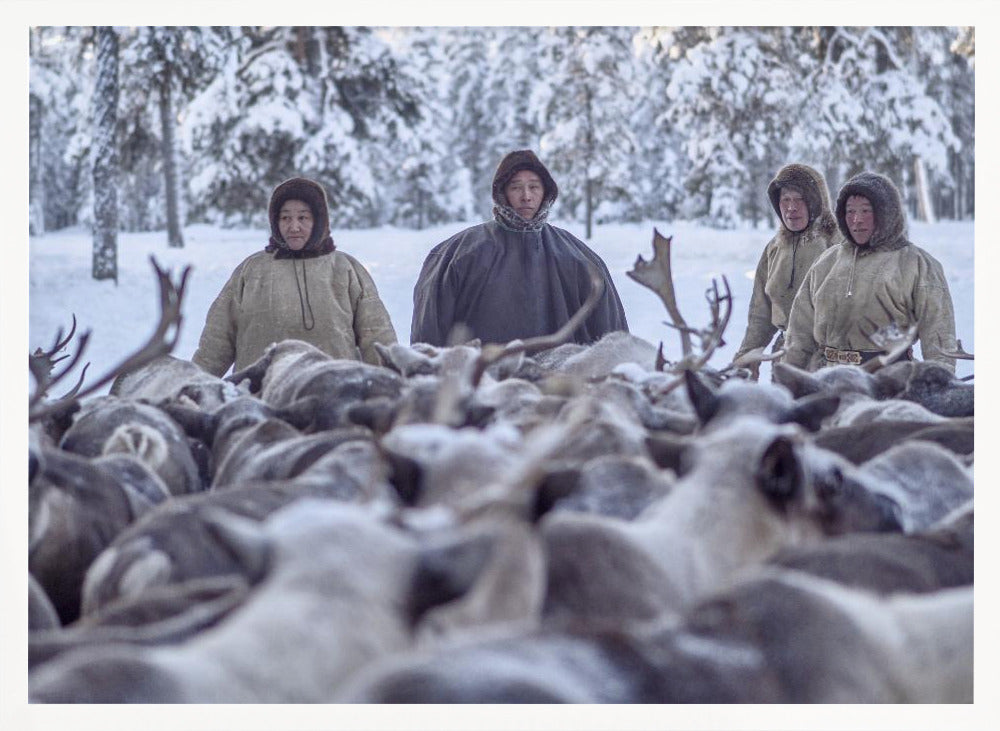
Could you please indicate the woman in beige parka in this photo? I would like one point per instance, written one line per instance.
(876, 277)
(807, 228)
(299, 287)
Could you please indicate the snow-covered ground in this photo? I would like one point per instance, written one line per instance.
(122, 316)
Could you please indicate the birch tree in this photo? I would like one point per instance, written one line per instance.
(104, 153)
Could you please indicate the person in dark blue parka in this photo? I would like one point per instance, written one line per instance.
(514, 277)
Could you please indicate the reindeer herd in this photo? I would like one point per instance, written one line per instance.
(534, 521)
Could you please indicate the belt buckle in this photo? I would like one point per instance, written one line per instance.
(842, 357)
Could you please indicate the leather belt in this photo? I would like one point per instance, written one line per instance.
(849, 357)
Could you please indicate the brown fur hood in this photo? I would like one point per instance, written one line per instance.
(890, 221)
(506, 216)
(312, 194)
(516, 161)
(811, 183)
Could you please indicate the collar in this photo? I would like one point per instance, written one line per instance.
(281, 251)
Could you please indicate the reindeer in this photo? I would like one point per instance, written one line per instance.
(348, 585)
(160, 343)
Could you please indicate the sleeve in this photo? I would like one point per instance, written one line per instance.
(372, 323)
(434, 299)
(217, 346)
(800, 347)
(935, 313)
(760, 329)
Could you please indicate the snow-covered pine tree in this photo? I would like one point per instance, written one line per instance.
(459, 113)
(59, 173)
(104, 152)
(949, 66)
(871, 109)
(585, 111)
(489, 70)
(382, 115)
(736, 98)
(421, 178)
(321, 102)
(168, 61)
(241, 132)
(659, 166)
(36, 186)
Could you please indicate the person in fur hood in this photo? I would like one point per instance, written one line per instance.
(875, 276)
(299, 287)
(514, 277)
(807, 228)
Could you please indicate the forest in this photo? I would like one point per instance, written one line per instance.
(156, 128)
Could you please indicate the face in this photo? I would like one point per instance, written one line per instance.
(794, 211)
(295, 224)
(860, 219)
(524, 193)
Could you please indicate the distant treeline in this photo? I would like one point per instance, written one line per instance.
(404, 126)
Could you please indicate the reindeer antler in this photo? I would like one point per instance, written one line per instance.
(753, 357)
(958, 353)
(890, 339)
(657, 275)
(161, 342)
(41, 363)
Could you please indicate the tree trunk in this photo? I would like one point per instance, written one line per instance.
(105, 156)
(925, 208)
(969, 202)
(36, 186)
(589, 158)
(175, 234)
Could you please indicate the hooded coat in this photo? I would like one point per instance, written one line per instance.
(510, 278)
(788, 255)
(854, 289)
(317, 294)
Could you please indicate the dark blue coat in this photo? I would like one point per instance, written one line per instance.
(505, 284)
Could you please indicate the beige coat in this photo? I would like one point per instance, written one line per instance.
(267, 300)
(852, 288)
(787, 257)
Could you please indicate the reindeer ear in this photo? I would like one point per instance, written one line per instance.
(779, 473)
(244, 539)
(799, 382)
(196, 423)
(405, 474)
(254, 373)
(701, 395)
(386, 356)
(557, 484)
(668, 450)
(446, 571)
(809, 411)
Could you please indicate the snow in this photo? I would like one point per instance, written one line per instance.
(121, 317)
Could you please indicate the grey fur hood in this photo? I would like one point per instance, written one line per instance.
(812, 185)
(890, 221)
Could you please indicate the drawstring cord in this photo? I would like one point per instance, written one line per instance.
(303, 305)
(795, 247)
(850, 282)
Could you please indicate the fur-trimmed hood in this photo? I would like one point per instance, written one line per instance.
(312, 194)
(516, 161)
(505, 215)
(811, 183)
(890, 221)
